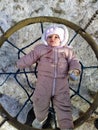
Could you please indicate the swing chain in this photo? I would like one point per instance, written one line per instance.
(91, 20)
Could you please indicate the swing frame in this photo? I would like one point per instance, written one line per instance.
(78, 30)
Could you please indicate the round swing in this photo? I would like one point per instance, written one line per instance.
(14, 119)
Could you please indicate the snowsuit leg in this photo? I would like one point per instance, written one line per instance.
(62, 104)
(61, 100)
(42, 97)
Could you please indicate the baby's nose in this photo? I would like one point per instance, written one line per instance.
(52, 37)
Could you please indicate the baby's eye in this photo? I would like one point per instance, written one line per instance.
(49, 36)
(56, 36)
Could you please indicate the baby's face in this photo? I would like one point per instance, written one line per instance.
(53, 40)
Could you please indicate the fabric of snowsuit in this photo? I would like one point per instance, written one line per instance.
(53, 66)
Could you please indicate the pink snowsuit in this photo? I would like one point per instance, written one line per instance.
(53, 66)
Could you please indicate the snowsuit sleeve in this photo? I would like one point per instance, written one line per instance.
(73, 61)
(29, 59)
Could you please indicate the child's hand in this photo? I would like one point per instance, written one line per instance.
(73, 74)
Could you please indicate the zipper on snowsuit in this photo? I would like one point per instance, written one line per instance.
(55, 50)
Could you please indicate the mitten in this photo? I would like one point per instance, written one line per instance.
(74, 74)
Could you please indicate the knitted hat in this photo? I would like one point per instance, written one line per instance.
(60, 30)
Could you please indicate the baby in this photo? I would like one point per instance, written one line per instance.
(57, 63)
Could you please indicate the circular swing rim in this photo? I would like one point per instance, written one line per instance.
(78, 30)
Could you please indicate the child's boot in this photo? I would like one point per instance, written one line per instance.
(36, 124)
